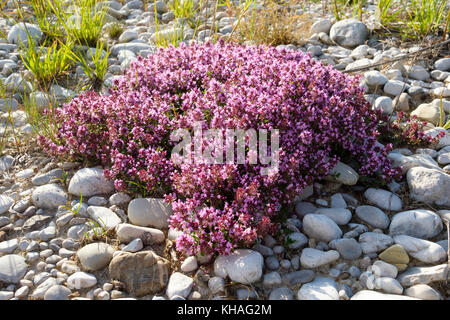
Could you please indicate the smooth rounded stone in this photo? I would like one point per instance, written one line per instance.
(53, 259)
(337, 201)
(443, 141)
(70, 244)
(375, 295)
(321, 288)
(383, 269)
(135, 47)
(395, 255)
(69, 267)
(321, 227)
(423, 275)
(12, 268)
(134, 246)
(315, 50)
(439, 75)
(344, 174)
(4, 221)
(349, 33)
(418, 223)
(373, 216)
(47, 233)
(6, 162)
(385, 104)
(296, 240)
(16, 83)
(422, 250)
(95, 256)
(281, 294)
(443, 244)
(77, 232)
(19, 33)
(45, 178)
(416, 160)
(383, 199)
(322, 202)
(322, 25)
(97, 201)
(65, 253)
(423, 291)
(339, 215)
(298, 277)
(149, 212)
(127, 36)
(179, 285)
(216, 285)
(271, 279)
(32, 257)
(81, 280)
(354, 272)
(10, 104)
(46, 253)
(8, 246)
(444, 158)
(5, 203)
(374, 242)
(285, 264)
(6, 295)
(90, 182)
(49, 196)
(388, 285)
(142, 273)
(427, 112)
(264, 250)
(128, 232)
(418, 73)
(104, 217)
(375, 78)
(40, 291)
(272, 263)
(429, 185)
(57, 292)
(349, 249)
(442, 64)
(189, 264)
(313, 258)
(119, 199)
(440, 92)
(401, 102)
(243, 266)
(22, 292)
(395, 87)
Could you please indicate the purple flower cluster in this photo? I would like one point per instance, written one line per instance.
(408, 131)
(220, 207)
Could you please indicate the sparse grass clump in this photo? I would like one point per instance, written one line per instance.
(47, 64)
(274, 24)
(114, 30)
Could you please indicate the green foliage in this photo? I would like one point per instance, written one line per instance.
(49, 25)
(46, 63)
(114, 30)
(388, 12)
(182, 8)
(426, 16)
(94, 64)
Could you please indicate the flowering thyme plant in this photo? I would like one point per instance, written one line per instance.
(408, 131)
(219, 207)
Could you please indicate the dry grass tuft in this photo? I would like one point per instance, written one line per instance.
(274, 24)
